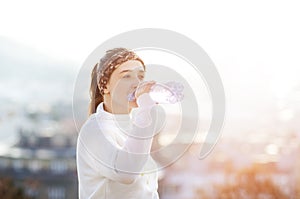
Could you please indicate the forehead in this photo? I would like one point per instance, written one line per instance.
(130, 65)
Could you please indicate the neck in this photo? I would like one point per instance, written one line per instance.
(114, 108)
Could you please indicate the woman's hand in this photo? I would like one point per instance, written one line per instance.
(144, 87)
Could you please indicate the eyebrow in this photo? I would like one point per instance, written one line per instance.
(125, 71)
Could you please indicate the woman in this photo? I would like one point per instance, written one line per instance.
(114, 144)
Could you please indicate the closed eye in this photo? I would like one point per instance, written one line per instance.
(126, 76)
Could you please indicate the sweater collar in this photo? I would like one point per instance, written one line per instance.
(107, 115)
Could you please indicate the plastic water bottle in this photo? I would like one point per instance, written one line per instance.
(164, 93)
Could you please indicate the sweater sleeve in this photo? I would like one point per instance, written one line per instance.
(136, 150)
(120, 164)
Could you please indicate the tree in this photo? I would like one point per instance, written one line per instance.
(254, 182)
(251, 183)
(8, 190)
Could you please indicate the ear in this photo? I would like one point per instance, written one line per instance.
(107, 89)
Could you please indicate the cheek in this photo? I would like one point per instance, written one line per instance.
(121, 89)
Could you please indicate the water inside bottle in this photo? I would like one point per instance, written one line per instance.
(170, 92)
(161, 94)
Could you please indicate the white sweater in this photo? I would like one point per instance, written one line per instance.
(113, 154)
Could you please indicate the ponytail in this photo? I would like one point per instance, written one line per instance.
(95, 95)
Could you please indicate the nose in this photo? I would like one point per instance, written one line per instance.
(136, 82)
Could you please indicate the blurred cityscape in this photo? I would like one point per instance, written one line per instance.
(38, 140)
(37, 152)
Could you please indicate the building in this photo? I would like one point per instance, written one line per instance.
(44, 165)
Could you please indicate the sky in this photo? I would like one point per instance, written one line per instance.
(231, 30)
(255, 44)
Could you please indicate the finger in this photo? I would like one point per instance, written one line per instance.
(146, 83)
(148, 87)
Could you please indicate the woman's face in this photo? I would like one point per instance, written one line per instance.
(123, 81)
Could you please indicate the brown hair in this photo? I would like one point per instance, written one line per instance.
(102, 71)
